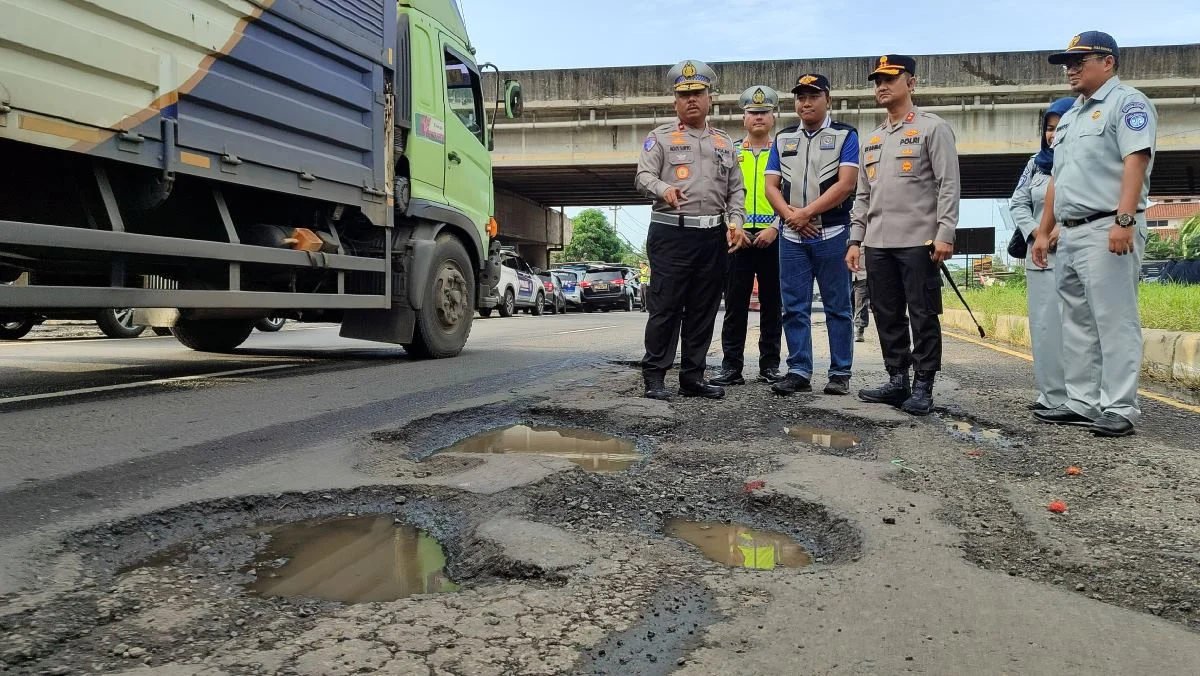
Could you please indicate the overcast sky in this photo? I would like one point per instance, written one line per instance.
(541, 34)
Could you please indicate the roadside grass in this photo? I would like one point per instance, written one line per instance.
(1171, 307)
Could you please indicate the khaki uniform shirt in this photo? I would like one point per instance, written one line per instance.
(700, 162)
(908, 188)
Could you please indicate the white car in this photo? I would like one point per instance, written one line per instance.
(519, 287)
(570, 286)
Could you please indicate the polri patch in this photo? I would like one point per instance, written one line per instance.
(649, 144)
(1137, 120)
(827, 143)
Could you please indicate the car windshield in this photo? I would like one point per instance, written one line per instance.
(566, 275)
(603, 275)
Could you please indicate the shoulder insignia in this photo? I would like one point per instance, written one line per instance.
(912, 115)
(651, 141)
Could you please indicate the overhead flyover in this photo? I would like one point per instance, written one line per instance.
(579, 139)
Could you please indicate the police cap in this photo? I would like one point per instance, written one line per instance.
(691, 75)
(1087, 42)
(759, 99)
(893, 64)
(811, 81)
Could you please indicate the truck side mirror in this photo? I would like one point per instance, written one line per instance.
(514, 103)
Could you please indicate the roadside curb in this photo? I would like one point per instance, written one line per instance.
(1166, 355)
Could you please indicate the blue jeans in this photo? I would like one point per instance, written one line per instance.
(799, 265)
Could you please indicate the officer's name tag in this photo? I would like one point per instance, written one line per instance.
(827, 143)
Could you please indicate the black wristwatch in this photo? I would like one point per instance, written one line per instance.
(853, 242)
(1126, 220)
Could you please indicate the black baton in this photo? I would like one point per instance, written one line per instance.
(949, 278)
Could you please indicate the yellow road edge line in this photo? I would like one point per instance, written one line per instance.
(1145, 393)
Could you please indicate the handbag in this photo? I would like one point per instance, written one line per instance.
(1018, 246)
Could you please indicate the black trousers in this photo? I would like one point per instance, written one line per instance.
(744, 266)
(906, 290)
(689, 270)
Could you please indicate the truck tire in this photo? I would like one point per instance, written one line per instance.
(117, 322)
(444, 320)
(539, 306)
(15, 330)
(508, 306)
(213, 335)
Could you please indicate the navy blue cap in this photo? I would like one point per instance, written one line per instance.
(1087, 42)
(812, 81)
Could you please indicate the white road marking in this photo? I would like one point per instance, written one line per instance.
(598, 328)
(143, 383)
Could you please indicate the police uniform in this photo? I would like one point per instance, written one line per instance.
(908, 194)
(747, 264)
(687, 245)
(809, 163)
(1102, 333)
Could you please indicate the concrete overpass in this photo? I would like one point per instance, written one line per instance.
(579, 140)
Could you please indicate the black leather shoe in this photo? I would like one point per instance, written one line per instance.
(837, 385)
(728, 377)
(791, 384)
(1038, 406)
(1063, 416)
(701, 389)
(770, 376)
(921, 400)
(858, 336)
(895, 392)
(657, 390)
(1111, 425)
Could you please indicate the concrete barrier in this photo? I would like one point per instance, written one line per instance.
(1172, 356)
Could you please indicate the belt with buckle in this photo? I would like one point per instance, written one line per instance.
(1073, 222)
(681, 221)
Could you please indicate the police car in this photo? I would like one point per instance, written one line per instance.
(519, 288)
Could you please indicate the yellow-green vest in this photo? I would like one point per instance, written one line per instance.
(759, 213)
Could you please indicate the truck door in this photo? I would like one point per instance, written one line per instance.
(468, 165)
(427, 150)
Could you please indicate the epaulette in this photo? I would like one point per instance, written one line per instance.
(842, 125)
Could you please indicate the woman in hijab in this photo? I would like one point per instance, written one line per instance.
(1045, 326)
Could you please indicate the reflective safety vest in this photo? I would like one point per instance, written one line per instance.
(759, 213)
(644, 276)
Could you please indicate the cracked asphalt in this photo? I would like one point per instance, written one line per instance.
(131, 516)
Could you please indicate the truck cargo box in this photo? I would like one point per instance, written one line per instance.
(285, 95)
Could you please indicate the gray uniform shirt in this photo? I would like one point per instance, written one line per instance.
(1027, 204)
(1090, 145)
(908, 188)
(700, 162)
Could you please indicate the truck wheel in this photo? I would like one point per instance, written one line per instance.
(539, 306)
(508, 306)
(444, 320)
(15, 330)
(213, 335)
(117, 322)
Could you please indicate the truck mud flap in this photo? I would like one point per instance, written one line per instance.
(394, 325)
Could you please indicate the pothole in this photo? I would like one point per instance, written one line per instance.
(738, 546)
(825, 438)
(594, 451)
(968, 430)
(355, 560)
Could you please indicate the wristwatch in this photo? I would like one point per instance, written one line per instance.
(1126, 220)
(853, 242)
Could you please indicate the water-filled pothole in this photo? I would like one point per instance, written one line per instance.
(970, 431)
(593, 451)
(355, 560)
(825, 438)
(739, 546)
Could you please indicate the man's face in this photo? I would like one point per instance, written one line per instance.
(758, 122)
(893, 88)
(692, 107)
(1087, 72)
(812, 105)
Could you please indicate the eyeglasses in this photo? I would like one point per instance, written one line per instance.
(1077, 64)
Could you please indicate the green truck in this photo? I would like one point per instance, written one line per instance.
(214, 162)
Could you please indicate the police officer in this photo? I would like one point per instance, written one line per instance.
(811, 178)
(761, 258)
(644, 284)
(1103, 153)
(908, 192)
(690, 170)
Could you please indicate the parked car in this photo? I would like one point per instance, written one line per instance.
(556, 301)
(113, 322)
(606, 289)
(519, 287)
(570, 285)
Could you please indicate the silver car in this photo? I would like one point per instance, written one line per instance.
(570, 286)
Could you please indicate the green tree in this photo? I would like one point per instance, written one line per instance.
(593, 239)
(1189, 238)
(1159, 249)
